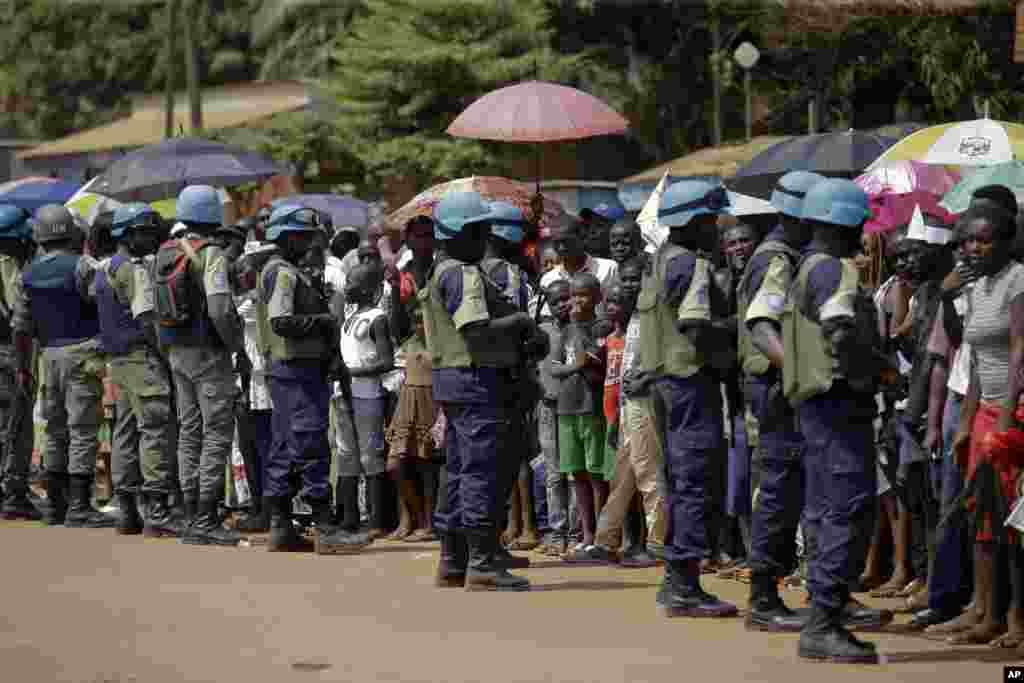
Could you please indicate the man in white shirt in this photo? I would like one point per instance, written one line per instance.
(573, 259)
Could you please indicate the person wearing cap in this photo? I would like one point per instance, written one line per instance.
(761, 296)
(15, 406)
(198, 323)
(55, 304)
(301, 337)
(498, 264)
(597, 222)
(831, 371)
(677, 332)
(141, 458)
(476, 341)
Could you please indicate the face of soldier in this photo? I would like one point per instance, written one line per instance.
(143, 242)
(470, 244)
(738, 246)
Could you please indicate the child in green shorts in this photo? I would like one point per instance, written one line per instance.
(581, 428)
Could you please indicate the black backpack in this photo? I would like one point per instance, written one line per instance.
(177, 296)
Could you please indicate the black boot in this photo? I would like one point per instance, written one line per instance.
(375, 492)
(767, 611)
(16, 504)
(130, 522)
(824, 639)
(257, 519)
(57, 498)
(207, 528)
(283, 536)
(159, 522)
(451, 570)
(191, 509)
(483, 573)
(81, 513)
(347, 503)
(506, 560)
(682, 596)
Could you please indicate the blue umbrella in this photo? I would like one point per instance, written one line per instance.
(345, 211)
(34, 193)
(836, 155)
(163, 170)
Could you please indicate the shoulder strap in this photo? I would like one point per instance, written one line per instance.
(186, 247)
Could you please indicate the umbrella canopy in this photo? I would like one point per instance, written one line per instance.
(489, 187)
(1010, 174)
(34, 192)
(163, 170)
(899, 177)
(842, 155)
(890, 210)
(968, 143)
(345, 211)
(537, 111)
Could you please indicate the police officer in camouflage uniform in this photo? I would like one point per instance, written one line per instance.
(830, 374)
(15, 406)
(55, 303)
(301, 337)
(201, 343)
(144, 418)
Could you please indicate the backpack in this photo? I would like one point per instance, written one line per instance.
(177, 296)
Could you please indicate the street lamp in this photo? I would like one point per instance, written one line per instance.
(746, 55)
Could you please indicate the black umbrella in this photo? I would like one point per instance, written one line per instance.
(836, 155)
(161, 171)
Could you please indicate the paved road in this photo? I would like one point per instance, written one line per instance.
(90, 607)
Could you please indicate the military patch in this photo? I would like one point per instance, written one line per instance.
(774, 302)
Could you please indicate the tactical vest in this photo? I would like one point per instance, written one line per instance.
(511, 292)
(663, 348)
(120, 332)
(308, 300)
(448, 348)
(61, 315)
(809, 370)
(753, 361)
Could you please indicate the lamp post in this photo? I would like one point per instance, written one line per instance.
(746, 55)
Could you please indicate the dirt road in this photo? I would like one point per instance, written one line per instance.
(91, 607)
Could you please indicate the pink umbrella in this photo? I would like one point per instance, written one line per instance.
(900, 177)
(890, 211)
(537, 111)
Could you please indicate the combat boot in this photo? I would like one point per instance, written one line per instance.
(506, 560)
(130, 522)
(81, 514)
(767, 611)
(257, 519)
(824, 639)
(451, 569)
(483, 573)
(18, 506)
(682, 596)
(283, 536)
(208, 529)
(56, 497)
(857, 616)
(340, 541)
(159, 522)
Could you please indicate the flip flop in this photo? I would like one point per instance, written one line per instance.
(420, 536)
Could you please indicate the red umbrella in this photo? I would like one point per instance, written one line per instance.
(537, 111)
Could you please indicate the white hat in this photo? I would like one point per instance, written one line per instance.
(919, 230)
(179, 229)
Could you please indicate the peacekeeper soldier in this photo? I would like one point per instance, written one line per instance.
(197, 322)
(830, 371)
(301, 338)
(16, 406)
(476, 342)
(142, 432)
(677, 332)
(761, 295)
(55, 303)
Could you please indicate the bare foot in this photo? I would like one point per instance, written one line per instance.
(979, 635)
(892, 587)
(399, 534)
(375, 534)
(870, 581)
(1009, 640)
(510, 535)
(966, 621)
(525, 542)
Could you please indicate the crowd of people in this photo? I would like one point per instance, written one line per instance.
(806, 404)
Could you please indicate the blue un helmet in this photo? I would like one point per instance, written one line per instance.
(200, 204)
(456, 210)
(685, 200)
(789, 193)
(837, 202)
(507, 222)
(134, 215)
(293, 218)
(15, 223)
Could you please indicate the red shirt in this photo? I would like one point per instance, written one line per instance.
(615, 345)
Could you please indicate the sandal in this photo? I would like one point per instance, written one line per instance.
(889, 589)
(522, 543)
(420, 536)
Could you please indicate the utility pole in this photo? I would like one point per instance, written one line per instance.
(716, 77)
(169, 80)
(195, 96)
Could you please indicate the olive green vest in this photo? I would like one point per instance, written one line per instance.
(664, 350)
(307, 301)
(751, 360)
(448, 348)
